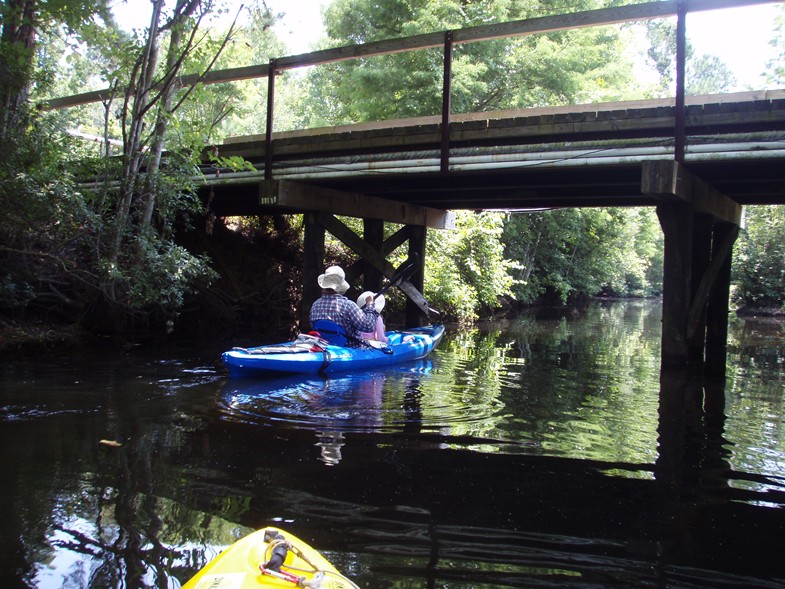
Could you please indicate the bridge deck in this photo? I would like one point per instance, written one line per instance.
(586, 155)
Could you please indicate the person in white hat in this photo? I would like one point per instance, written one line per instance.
(379, 330)
(335, 307)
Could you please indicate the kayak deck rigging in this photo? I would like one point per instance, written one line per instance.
(269, 558)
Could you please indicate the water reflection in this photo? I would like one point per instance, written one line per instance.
(375, 401)
(356, 401)
(755, 403)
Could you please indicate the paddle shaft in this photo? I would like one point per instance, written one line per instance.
(405, 272)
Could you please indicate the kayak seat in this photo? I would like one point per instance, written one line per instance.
(331, 331)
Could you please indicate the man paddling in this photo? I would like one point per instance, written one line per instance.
(334, 306)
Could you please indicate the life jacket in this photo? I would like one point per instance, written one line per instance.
(335, 334)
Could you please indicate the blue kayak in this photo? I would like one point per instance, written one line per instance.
(312, 355)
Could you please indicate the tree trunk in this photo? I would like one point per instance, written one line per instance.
(173, 57)
(17, 48)
(133, 148)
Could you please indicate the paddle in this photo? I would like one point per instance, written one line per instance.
(404, 272)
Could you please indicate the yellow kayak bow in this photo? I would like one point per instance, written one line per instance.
(269, 558)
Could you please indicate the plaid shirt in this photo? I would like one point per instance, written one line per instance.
(345, 313)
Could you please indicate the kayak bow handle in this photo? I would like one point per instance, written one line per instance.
(279, 551)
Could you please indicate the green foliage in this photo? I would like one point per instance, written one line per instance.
(240, 108)
(163, 273)
(708, 74)
(704, 74)
(53, 241)
(99, 57)
(13, 294)
(222, 110)
(466, 271)
(534, 70)
(234, 163)
(568, 253)
(775, 68)
(48, 229)
(57, 244)
(759, 258)
(37, 191)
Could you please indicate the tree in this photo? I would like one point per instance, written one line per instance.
(535, 70)
(21, 20)
(139, 249)
(121, 234)
(704, 74)
(564, 254)
(47, 225)
(239, 108)
(466, 269)
(775, 67)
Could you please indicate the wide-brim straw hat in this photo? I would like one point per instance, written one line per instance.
(378, 302)
(334, 278)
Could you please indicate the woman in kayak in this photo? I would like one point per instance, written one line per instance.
(334, 306)
(378, 334)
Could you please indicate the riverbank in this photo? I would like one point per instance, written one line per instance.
(35, 335)
(774, 312)
(23, 336)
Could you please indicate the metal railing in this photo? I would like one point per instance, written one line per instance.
(447, 40)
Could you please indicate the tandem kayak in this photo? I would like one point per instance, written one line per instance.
(313, 355)
(269, 558)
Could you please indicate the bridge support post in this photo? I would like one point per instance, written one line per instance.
(702, 228)
(725, 235)
(699, 225)
(313, 260)
(696, 289)
(373, 234)
(676, 223)
(417, 236)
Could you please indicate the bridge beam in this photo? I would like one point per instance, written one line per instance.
(670, 181)
(304, 197)
(699, 225)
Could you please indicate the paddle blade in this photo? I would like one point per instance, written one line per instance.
(406, 270)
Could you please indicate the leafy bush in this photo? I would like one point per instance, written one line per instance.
(759, 258)
(164, 274)
(466, 272)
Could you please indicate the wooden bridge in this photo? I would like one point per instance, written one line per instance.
(577, 156)
(697, 159)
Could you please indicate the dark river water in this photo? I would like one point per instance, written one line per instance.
(545, 452)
